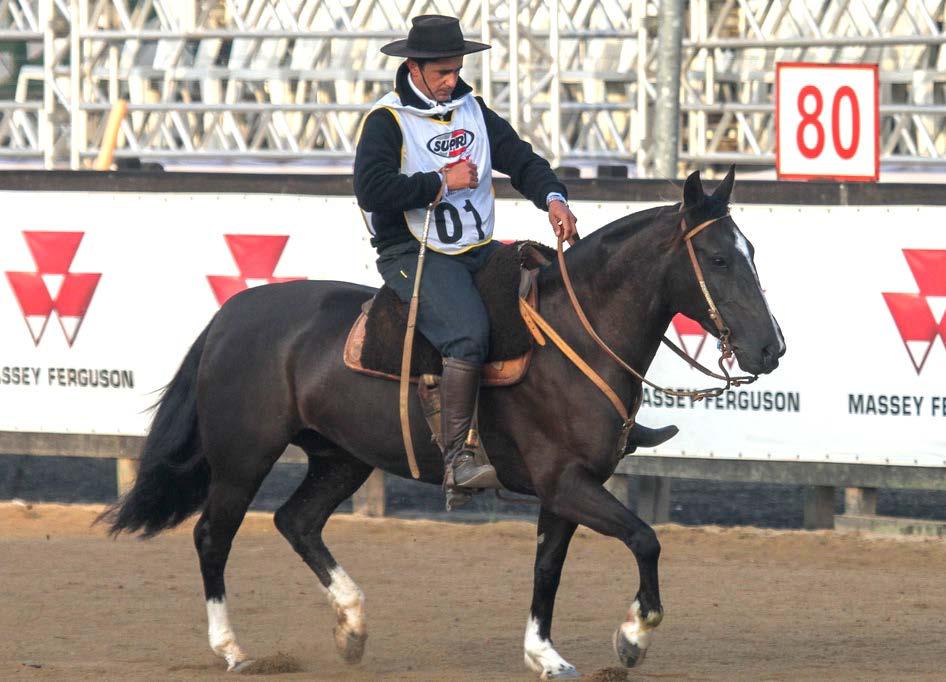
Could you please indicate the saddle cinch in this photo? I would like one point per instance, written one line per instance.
(376, 341)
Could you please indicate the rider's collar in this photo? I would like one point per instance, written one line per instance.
(417, 91)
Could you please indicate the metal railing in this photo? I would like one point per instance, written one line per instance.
(291, 80)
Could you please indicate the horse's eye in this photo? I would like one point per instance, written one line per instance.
(718, 262)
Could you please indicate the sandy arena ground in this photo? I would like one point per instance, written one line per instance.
(740, 603)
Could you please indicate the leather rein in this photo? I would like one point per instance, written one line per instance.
(534, 320)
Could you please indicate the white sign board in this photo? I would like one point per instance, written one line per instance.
(864, 376)
(97, 310)
(827, 121)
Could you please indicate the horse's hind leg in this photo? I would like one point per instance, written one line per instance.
(332, 478)
(232, 487)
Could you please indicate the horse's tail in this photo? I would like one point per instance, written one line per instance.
(173, 474)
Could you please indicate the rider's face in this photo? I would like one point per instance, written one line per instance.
(436, 79)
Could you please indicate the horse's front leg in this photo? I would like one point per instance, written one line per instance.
(554, 534)
(577, 497)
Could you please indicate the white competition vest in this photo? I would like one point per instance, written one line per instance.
(464, 218)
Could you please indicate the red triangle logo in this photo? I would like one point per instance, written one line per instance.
(53, 253)
(76, 293)
(912, 315)
(690, 334)
(73, 302)
(31, 293)
(916, 325)
(225, 287)
(684, 325)
(256, 257)
(692, 337)
(929, 270)
(35, 303)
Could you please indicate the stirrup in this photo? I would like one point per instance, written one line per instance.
(457, 497)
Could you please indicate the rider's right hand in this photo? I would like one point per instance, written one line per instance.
(462, 175)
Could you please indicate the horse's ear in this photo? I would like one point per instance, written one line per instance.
(693, 194)
(725, 187)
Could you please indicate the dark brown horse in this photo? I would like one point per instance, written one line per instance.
(268, 371)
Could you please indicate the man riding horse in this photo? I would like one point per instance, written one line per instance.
(431, 139)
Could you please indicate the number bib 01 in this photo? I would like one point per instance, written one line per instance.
(464, 219)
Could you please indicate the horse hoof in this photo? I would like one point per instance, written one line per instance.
(554, 668)
(630, 654)
(559, 671)
(240, 666)
(350, 645)
(564, 673)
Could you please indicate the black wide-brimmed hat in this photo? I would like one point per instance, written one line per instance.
(433, 36)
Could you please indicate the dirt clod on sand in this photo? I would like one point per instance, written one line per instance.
(274, 665)
(607, 675)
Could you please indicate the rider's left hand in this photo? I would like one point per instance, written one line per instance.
(563, 220)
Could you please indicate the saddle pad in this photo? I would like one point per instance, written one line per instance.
(499, 283)
(497, 373)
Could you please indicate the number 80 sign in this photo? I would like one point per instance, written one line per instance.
(827, 122)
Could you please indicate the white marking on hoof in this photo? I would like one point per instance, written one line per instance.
(349, 603)
(636, 630)
(541, 657)
(222, 638)
(632, 639)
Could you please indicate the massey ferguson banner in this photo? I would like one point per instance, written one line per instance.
(102, 294)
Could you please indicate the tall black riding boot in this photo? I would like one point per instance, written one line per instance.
(458, 388)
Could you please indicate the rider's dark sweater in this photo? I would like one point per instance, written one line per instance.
(383, 191)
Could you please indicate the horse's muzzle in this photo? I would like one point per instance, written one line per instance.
(770, 357)
(760, 361)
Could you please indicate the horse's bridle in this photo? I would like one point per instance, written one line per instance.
(717, 319)
(532, 317)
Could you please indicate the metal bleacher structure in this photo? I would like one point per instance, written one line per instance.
(288, 81)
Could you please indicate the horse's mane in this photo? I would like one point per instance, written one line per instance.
(611, 236)
(664, 220)
(631, 224)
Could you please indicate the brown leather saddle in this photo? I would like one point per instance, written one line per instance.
(376, 340)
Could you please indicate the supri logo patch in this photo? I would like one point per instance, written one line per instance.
(452, 144)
